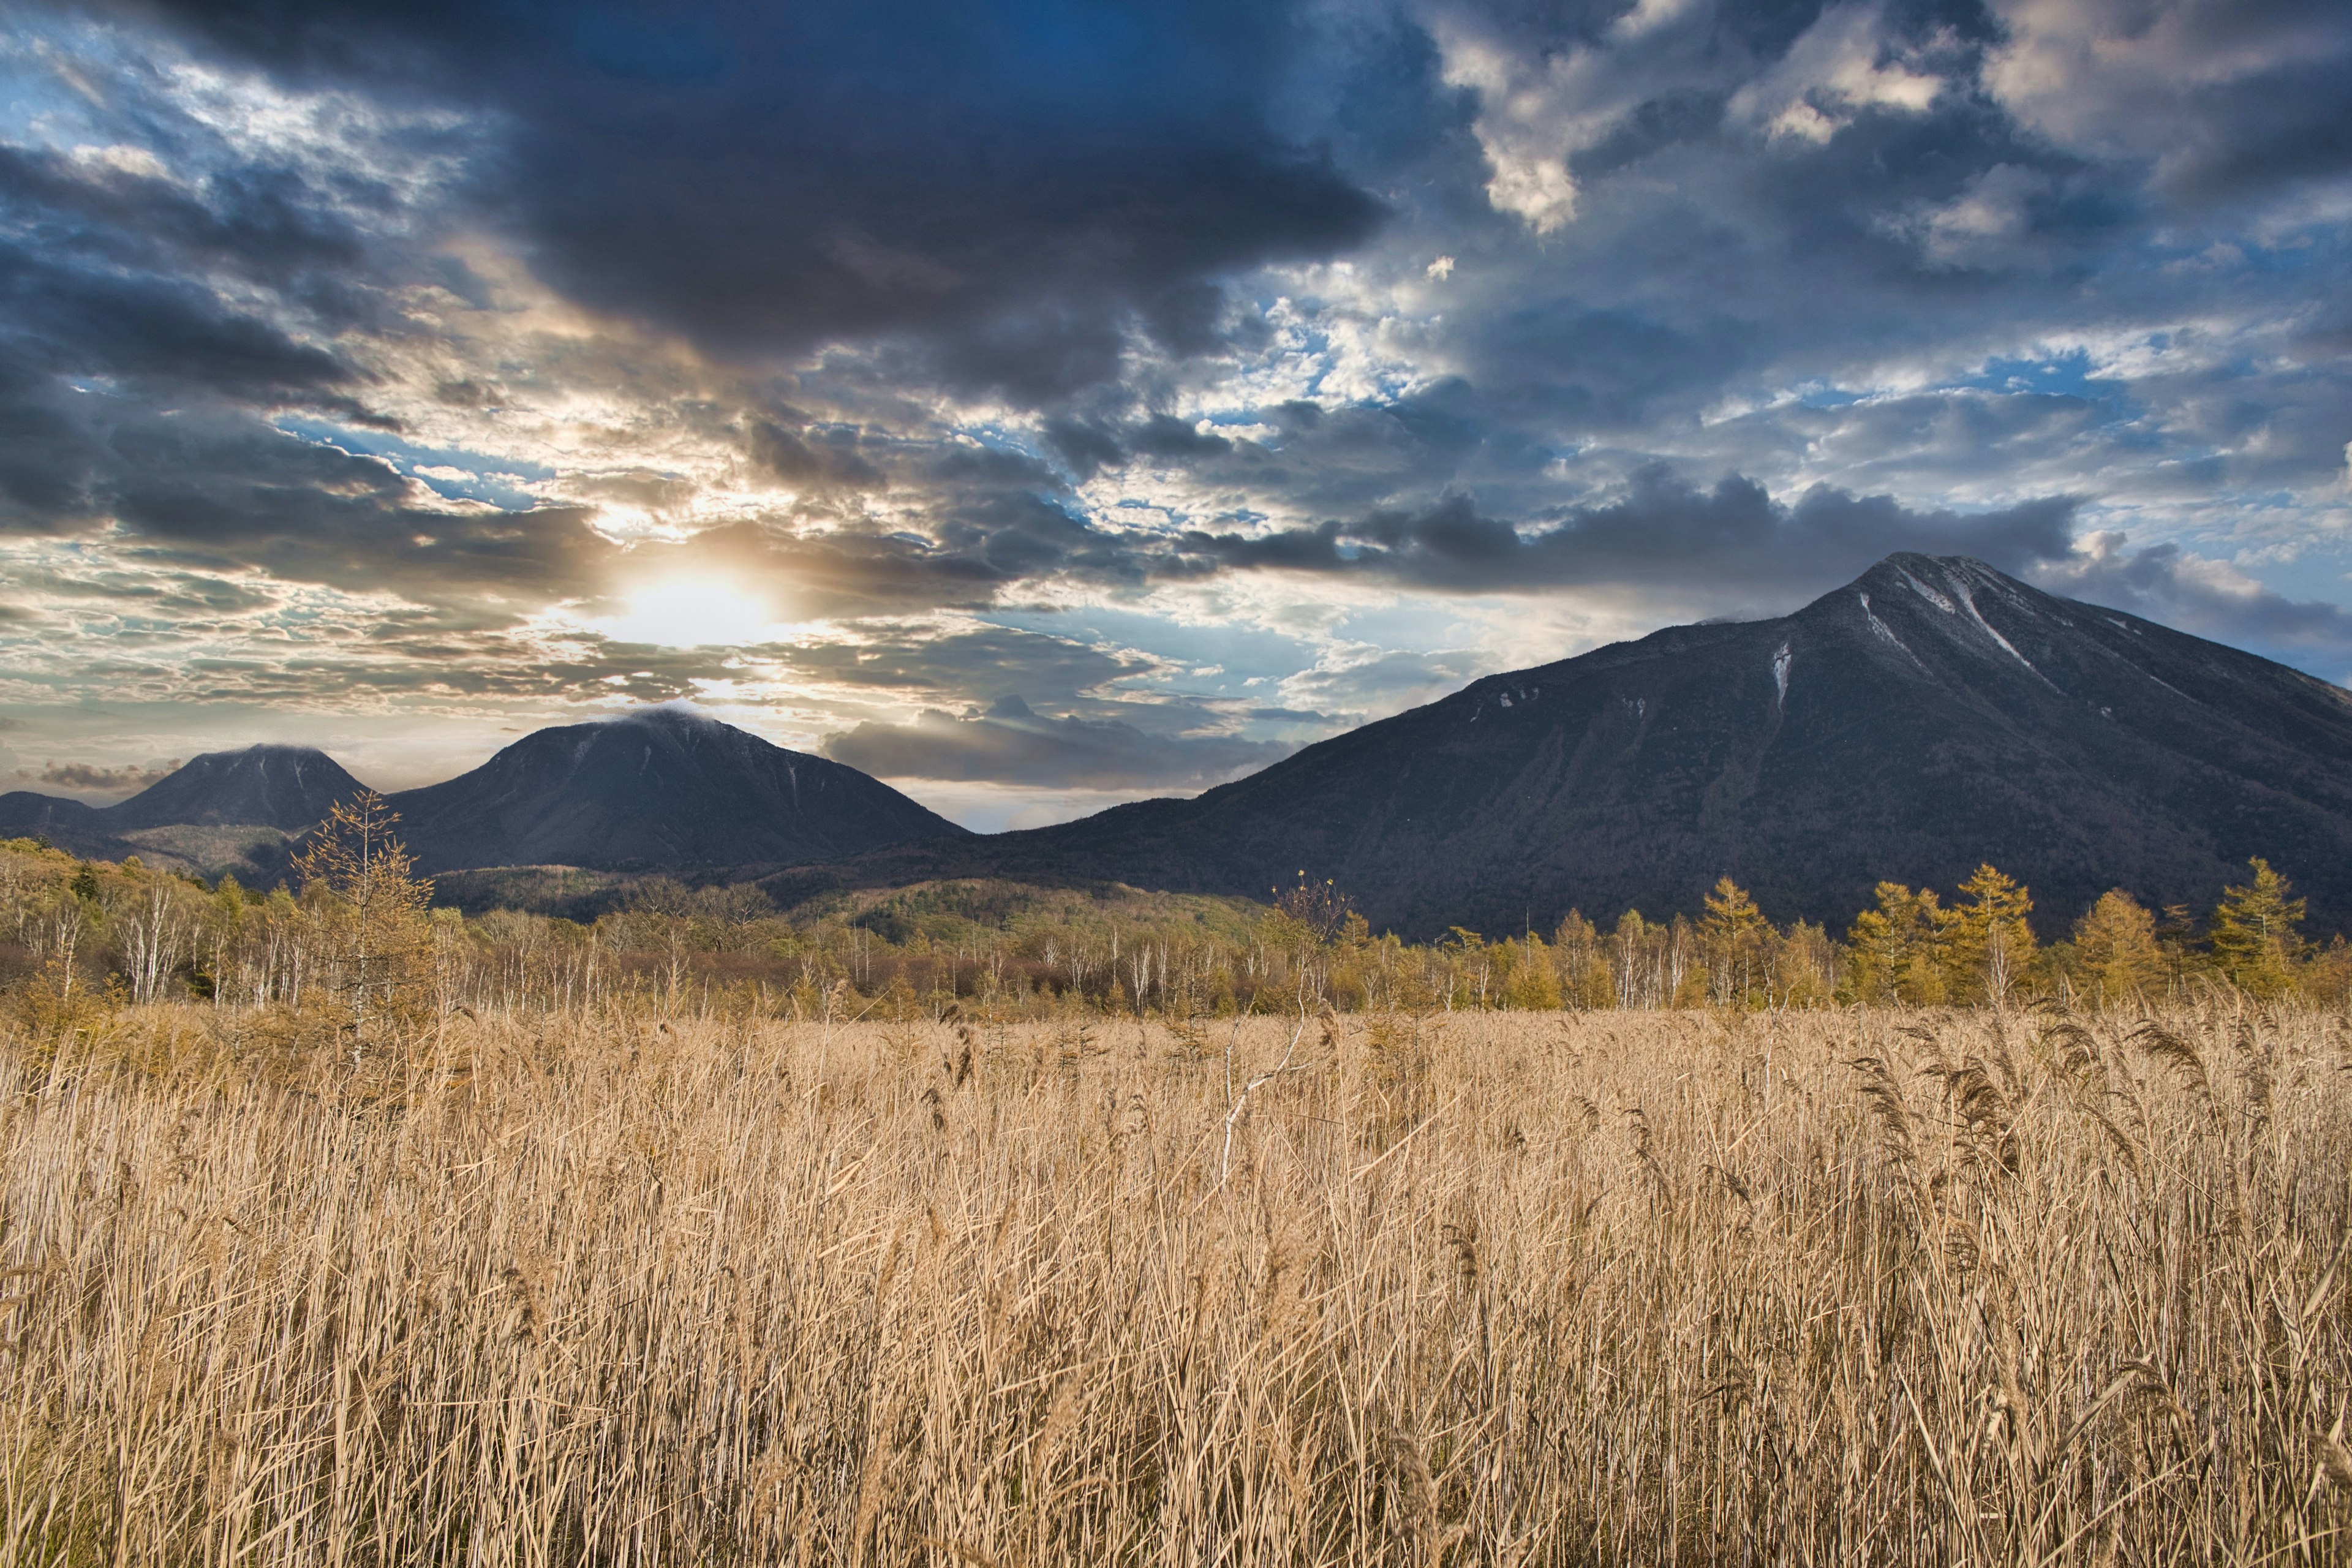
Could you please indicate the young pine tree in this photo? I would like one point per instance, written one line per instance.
(1807, 966)
(377, 934)
(2254, 936)
(1989, 948)
(1896, 950)
(1533, 983)
(1733, 935)
(2116, 947)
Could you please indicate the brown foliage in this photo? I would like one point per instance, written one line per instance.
(1587, 1288)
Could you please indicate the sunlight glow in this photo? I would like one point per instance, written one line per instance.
(688, 612)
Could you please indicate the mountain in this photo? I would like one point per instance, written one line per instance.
(25, 815)
(285, 787)
(272, 793)
(1930, 715)
(657, 787)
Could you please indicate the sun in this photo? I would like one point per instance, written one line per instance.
(691, 612)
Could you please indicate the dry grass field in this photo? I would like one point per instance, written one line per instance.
(1950, 1288)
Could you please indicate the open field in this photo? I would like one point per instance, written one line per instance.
(1509, 1286)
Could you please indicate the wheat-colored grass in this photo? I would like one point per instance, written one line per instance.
(1506, 1288)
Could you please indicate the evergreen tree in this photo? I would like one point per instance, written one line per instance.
(1532, 983)
(1733, 935)
(373, 904)
(1806, 962)
(2174, 931)
(2115, 946)
(1896, 949)
(2254, 936)
(1989, 947)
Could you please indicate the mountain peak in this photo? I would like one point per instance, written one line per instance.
(267, 785)
(671, 716)
(1932, 714)
(1938, 578)
(662, 785)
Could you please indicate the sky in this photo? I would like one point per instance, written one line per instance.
(1041, 404)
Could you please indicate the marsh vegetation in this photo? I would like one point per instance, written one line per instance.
(627, 1285)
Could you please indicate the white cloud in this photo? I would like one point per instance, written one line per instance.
(1538, 110)
(1836, 69)
(2117, 77)
(1987, 223)
(119, 158)
(1524, 123)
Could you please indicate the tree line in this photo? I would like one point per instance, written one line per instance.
(352, 939)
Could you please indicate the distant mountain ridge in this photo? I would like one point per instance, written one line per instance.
(282, 789)
(659, 787)
(285, 787)
(1933, 713)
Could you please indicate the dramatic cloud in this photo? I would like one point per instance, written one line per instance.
(1205, 377)
(2221, 95)
(1648, 539)
(1012, 183)
(85, 778)
(1012, 745)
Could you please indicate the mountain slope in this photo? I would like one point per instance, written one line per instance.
(661, 787)
(1932, 714)
(285, 787)
(23, 814)
(271, 792)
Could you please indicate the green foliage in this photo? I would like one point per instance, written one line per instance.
(1532, 981)
(2328, 978)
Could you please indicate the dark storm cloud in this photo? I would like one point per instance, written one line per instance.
(1002, 523)
(1011, 181)
(1011, 745)
(258, 222)
(222, 490)
(820, 460)
(1802, 244)
(1101, 740)
(157, 332)
(106, 312)
(1665, 534)
(1349, 457)
(95, 779)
